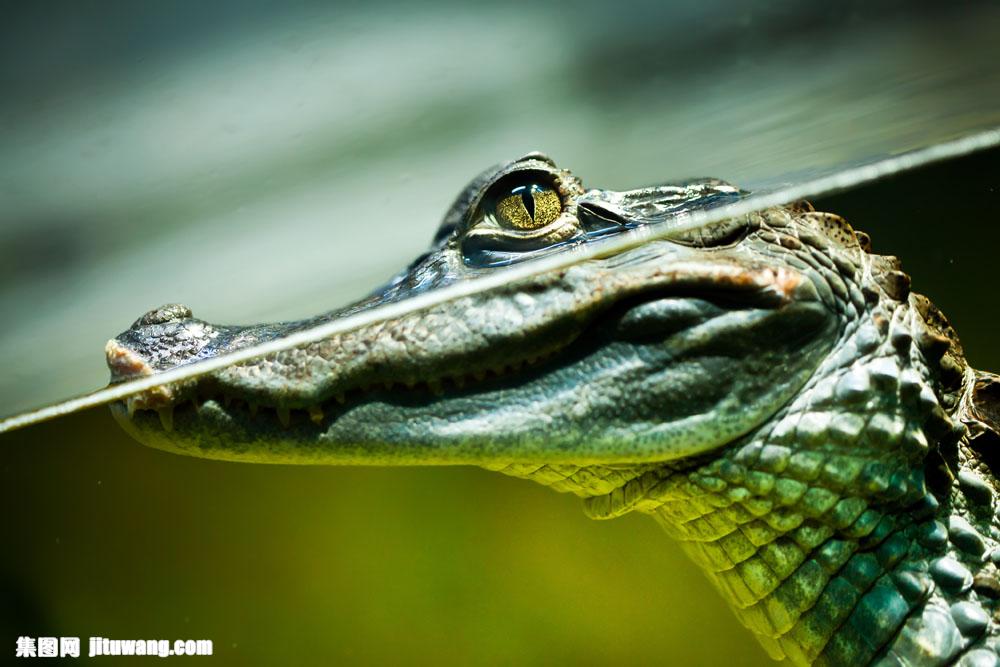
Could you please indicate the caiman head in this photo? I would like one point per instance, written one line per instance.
(765, 386)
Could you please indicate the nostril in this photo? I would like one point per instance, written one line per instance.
(171, 312)
(124, 363)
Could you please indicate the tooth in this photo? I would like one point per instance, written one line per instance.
(130, 406)
(166, 418)
(285, 416)
(316, 414)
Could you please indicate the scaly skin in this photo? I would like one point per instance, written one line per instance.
(766, 387)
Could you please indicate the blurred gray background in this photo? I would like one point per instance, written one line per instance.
(269, 160)
(266, 160)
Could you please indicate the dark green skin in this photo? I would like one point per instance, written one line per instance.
(765, 387)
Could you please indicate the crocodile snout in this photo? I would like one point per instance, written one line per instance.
(124, 363)
(162, 338)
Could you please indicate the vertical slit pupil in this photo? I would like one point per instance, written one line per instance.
(528, 198)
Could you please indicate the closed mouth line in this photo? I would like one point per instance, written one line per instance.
(337, 403)
(328, 408)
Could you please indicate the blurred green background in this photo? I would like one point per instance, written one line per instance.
(262, 160)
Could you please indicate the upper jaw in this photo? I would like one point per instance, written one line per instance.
(431, 355)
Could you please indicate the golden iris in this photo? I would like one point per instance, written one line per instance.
(529, 207)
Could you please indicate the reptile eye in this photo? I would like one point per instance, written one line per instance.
(519, 216)
(529, 206)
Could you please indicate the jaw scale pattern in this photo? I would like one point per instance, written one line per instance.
(859, 524)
